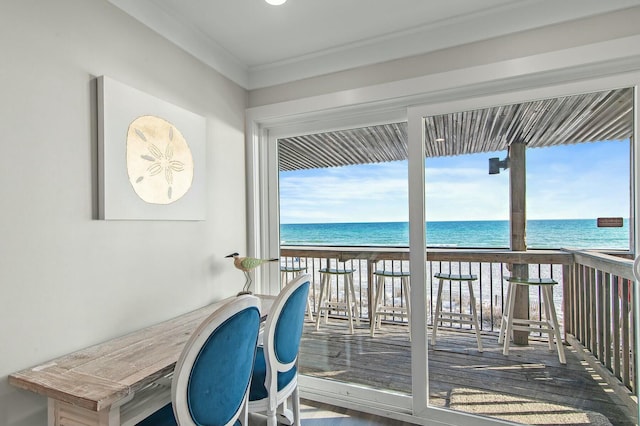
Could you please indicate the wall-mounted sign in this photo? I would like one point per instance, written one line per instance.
(609, 222)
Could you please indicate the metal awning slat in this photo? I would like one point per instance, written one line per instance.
(606, 115)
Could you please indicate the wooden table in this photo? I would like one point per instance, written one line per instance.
(118, 382)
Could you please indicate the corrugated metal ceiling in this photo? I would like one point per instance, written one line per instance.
(589, 117)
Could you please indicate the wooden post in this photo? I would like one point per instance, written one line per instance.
(518, 222)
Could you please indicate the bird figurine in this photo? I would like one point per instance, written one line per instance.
(247, 264)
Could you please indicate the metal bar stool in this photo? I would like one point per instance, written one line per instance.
(295, 271)
(380, 309)
(350, 305)
(458, 317)
(549, 325)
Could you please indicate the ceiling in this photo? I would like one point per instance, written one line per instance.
(589, 117)
(258, 45)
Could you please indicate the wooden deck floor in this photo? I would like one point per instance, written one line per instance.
(530, 380)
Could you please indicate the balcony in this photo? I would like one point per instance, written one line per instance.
(527, 386)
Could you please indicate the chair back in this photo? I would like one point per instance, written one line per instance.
(283, 329)
(212, 375)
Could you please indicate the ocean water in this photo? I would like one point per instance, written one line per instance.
(549, 234)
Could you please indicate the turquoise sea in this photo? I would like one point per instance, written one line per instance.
(561, 233)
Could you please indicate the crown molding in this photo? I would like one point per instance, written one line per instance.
(520, 16)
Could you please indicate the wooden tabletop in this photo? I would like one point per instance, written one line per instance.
(110, 373)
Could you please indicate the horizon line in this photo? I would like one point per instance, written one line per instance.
(438, 221)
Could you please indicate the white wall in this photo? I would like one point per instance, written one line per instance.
(68, 280)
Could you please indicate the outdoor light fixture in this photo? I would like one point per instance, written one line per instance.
(495, 164)
(275, 2)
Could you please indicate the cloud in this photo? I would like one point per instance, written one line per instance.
(579, 181)
(575, 181)
(468, 193)
(368, 193)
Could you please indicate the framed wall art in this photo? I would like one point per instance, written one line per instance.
(151, 157)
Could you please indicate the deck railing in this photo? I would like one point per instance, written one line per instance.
(595, 294)
(599, 311)
(490, 266)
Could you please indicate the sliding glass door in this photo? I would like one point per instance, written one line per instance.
(455, 376)
(513, 196)
(343, 218)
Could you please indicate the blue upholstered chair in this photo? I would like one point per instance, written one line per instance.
(211, 379)
(275, 373)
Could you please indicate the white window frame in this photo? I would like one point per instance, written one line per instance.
(536, 77)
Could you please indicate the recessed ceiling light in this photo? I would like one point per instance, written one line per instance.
(439, 139)
(276, 2)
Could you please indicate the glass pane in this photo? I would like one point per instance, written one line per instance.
(501, 184)
(343, 219)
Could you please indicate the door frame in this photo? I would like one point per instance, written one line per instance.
(543, 76)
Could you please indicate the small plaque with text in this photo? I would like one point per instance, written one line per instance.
(609, 222)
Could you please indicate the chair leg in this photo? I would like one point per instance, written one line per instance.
(376, 303)
(547, 318)
(290, 416)
(272, 420)
(436, 315)
(556, 327)
(381, 282)
(474, 313)
(321, 297)
(327, 290)
(348, 303)
(503, 321)
(244, 414)
(310, 309)
(407, 301)
(285, 415)
(295, 406)
(353, 297)
(509, 325)
(272, 411)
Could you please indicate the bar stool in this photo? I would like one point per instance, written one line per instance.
(549, 325)
(380, 309)
(458, 317)
(295, 271)
(350, 305)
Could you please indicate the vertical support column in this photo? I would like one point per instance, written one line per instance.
(518, 222)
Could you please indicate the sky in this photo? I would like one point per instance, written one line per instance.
(581, 181)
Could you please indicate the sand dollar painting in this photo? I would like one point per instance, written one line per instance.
(159, 161)
(151, 157)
